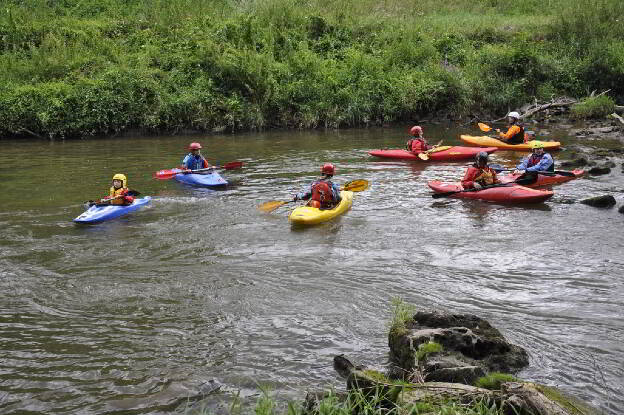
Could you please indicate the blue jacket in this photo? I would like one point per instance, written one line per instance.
(545, 163)
(307, 192)
(194, 162)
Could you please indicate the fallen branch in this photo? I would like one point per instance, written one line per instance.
(617, 117)
(559, 103)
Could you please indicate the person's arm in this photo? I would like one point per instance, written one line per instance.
(205, 162)
(468, 180)
(185, 162)
(523, 164)
(305, 194)
(544, 164)
(513, 130)
(494, 178)
(336, 192)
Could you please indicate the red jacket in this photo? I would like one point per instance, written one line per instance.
(417, 145)
(483, 175)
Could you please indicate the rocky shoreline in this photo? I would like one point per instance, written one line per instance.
(440, 361)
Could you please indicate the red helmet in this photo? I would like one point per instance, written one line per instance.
(194, 146)
(328, 169)
(416, 130)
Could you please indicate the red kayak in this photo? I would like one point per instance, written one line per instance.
(545, 179)
(499, 194)
(445, 153)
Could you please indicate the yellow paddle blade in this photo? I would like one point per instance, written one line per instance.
(271, 205)
(356, 185)
(423, 156)
(484, 127)
(440, 148)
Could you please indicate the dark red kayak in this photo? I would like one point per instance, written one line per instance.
(444, 153)
(499, 194)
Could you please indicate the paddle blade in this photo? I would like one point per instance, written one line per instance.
(356, 186)
(423, 156)
(271, 205)
(166, 174)
(484, 127)
(233, 165)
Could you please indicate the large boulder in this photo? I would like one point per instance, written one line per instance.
(600, 170)
(605, 201)
(471, 347)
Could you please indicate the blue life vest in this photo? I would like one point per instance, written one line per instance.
(193, 162)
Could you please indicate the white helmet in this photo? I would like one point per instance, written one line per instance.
(514, 114)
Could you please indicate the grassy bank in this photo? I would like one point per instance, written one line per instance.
(75, 68)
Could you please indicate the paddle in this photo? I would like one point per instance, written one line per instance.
(352, 186)
(520, 180)
(105, 201)
(484, 127)
(168, 174)
(425, 155)
(499, 168)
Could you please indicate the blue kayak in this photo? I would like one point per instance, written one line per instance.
(211, 179)
(101, 213)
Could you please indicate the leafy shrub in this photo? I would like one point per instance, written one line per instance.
(593, 107)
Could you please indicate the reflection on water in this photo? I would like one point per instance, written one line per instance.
(199, 291)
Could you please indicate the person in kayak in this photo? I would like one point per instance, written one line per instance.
(118, 194)
(323, 193)
(418, 144)
(479, 174)
(537, 161)
(194, 160)
(515, 132)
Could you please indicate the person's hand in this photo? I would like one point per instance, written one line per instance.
(498, 130)
(518, 171)
(477, 186)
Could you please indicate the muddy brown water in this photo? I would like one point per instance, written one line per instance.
(199, 290)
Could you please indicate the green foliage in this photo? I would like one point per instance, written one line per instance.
(494, 380)
(402, 313)
(74, 68)
(594, 107)
(425, 349)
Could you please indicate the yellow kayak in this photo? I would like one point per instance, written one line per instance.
(485, 141)
(305, 215)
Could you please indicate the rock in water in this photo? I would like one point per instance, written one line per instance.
(605, 201)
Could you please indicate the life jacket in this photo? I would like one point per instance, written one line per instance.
(485, 176)
(517, 138)
(120, 192)
(322, 193)
(416, 145)
(533, 160)
(194, 163)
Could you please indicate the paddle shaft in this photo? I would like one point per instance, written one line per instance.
(499, 168)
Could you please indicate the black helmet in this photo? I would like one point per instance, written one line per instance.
(481, 157)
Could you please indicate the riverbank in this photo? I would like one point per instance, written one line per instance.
(440, 363)
(90, 68)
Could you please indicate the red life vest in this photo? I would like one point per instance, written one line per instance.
(321, 192)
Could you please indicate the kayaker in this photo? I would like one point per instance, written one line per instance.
(118, 194)
(537, 161)
(515, 131)
(323, 193)
(479, 174)
(418, 144)
(194, 160)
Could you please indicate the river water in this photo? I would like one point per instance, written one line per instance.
(200, 290)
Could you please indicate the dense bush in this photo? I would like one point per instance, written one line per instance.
(87, 67)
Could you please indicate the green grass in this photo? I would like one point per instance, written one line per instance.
(493, 381)
(594, 107)
(426, 349)
(402, 313)
(77, 68)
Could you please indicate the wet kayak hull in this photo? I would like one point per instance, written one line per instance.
(211, 179)
(305, 215)
(485, 141)
(97, 214)
(544, 180)
(450, 154)
(511, 194)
